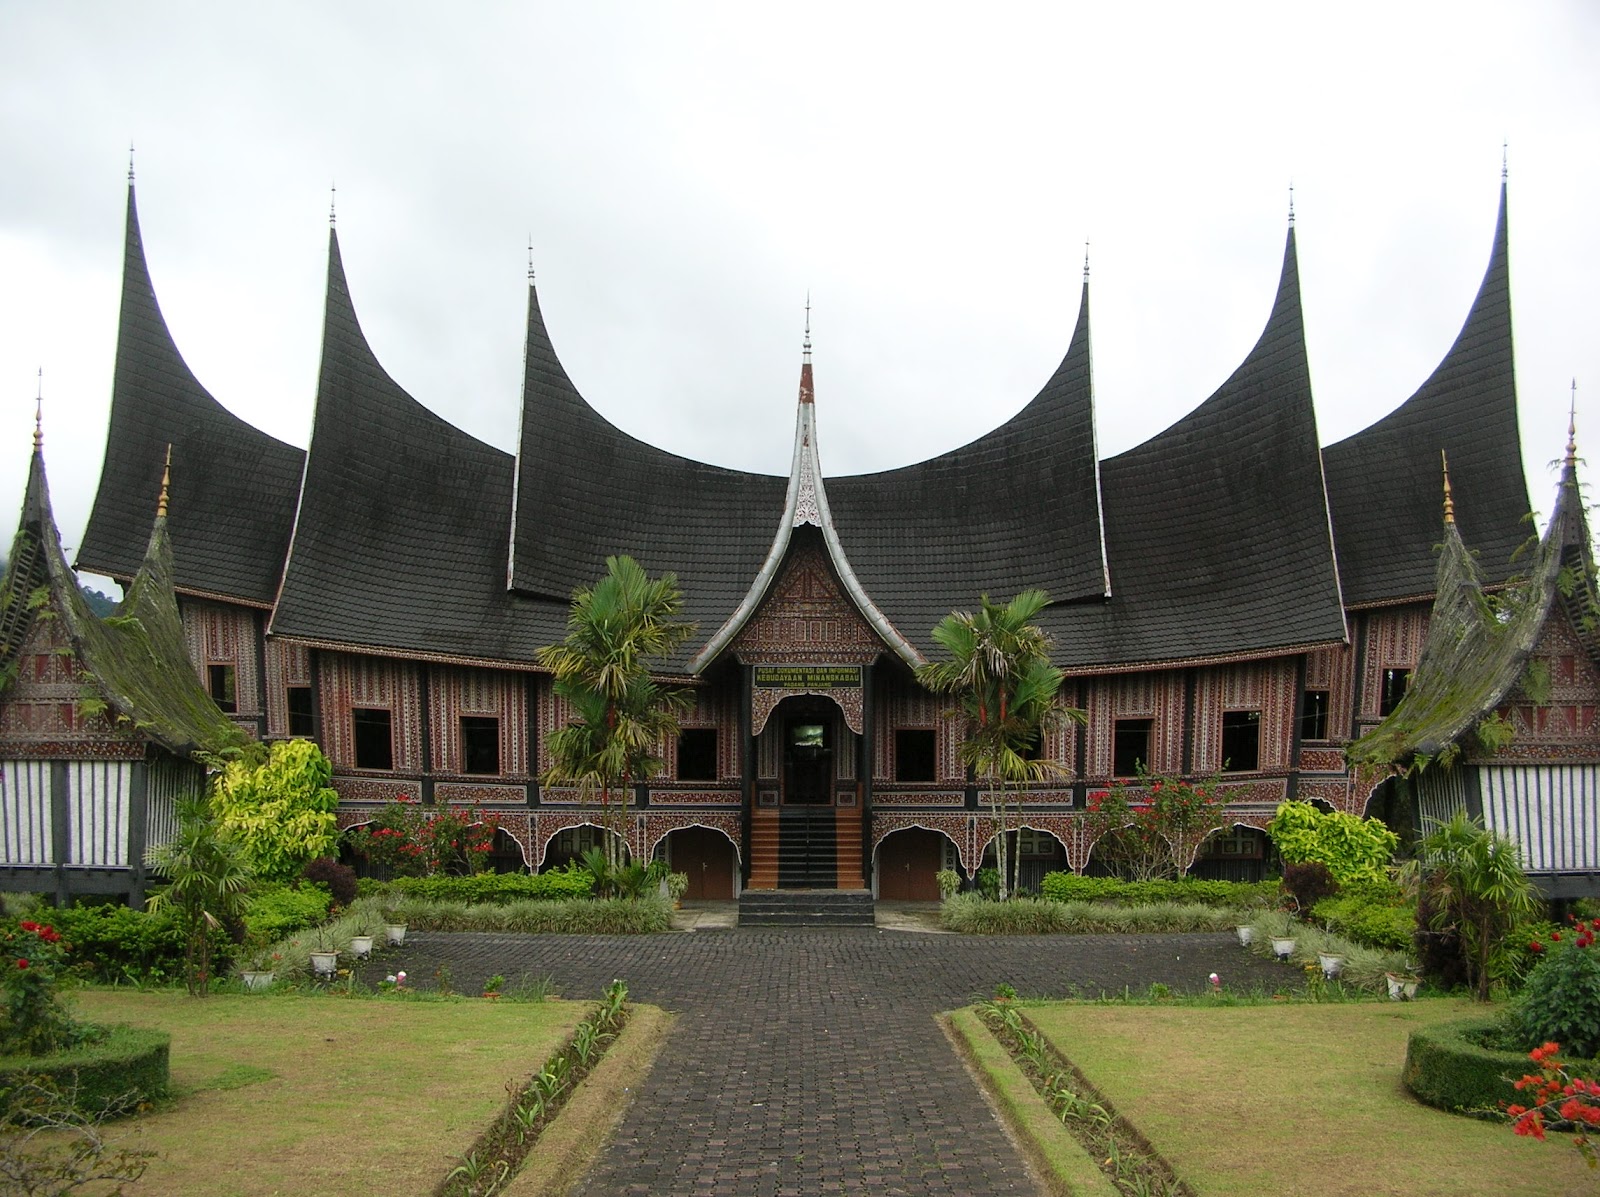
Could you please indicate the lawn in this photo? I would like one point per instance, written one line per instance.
(1298, 1099)
(279, 1095)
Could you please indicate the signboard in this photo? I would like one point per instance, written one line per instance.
(807, 677)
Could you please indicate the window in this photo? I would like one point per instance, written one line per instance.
(1395, 682)
(374, 737)
(1130, 746)
(480, 744)
(915, 754)
(1314, 715)
(697, 754)
(1241, 741)
(302, 716)
(222, 687)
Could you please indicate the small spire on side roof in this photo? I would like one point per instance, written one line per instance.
(1086, 259)
(1572, 426)
(530, 259)
(166, 485)
(38, 414)
(333, 203)
(130, 164)
(1291, 203)
(807, 391)
(1449, 503)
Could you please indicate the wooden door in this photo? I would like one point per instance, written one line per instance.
(908, 864)
(706, 857)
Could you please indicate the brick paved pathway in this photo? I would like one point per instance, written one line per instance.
(808, 1062)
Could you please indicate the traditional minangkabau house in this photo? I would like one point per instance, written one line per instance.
(101, 720)
(1228, 596)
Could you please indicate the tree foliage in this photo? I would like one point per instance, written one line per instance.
(621, 717)
(1479, 892)
(1353, 849)
(208, 878)
(1151, 830)
(279, 810)
(999, 670)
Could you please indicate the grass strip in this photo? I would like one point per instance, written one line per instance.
(1131, 1162)
(570, 1145)
(1057, 1155)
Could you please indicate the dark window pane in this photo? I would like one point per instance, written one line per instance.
(302, 716)
(222, 691)
(1241, 741)
(1130, 746)
(1395, 682)
(697, 754)
(914, 754)
(374, 737)
(1314, 716)
(480, 744)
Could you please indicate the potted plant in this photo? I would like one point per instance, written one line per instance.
(1402, 986)
(259, 963)
(324, 959)
(361, 946)
(1332, 964)
(493, 986)
(949, 882)
(394, 928)
(1246, 934)
(677, 885)
(1282, 946)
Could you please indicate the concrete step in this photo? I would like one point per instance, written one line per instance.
(807, 907)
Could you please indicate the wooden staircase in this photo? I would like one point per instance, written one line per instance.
(805, 848)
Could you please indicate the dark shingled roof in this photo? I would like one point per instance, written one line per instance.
(1475, 653)
(135, 659)
(1382, 482)
(400, 540)
(586, 491)
(1217, 528)
(233, 486)
(1017, 508)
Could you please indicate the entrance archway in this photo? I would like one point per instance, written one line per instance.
(704, 855)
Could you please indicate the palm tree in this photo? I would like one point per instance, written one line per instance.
(621, 717)
(1479, 891)
(207, 880)
(999, 669)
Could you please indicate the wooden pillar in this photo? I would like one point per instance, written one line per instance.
(138, 831)
(425, 703)
(865, 764)
(747, 769)
(60, 826)
(259, 621)
(533, 738)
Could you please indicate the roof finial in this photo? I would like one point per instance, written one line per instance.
(333, 201)
(806, 348)
(1572, 426)
(1291, 203)
(530, 259)
(1449, 503)
(1086, 259)
(166, 483)
(130, 164)
(1505, 147)
(38, 414)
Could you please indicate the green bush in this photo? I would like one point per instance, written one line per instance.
(491, 887)
(1380, 923)
(564, 916)
(274, 911)
(974, 915)
(119, 944)
(1448, 1066)
(1070, 887)
(1562, 1001)
(127, 1060)
(281, 809)
(1354, 849)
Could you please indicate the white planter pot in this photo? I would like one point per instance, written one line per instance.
(361, 946)
(324, 964)
(257, 980)
(1401, 989)
(1332, 965)
(396, 933)
(1246, 935)
(1282, 948)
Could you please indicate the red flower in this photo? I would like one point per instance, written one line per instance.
(21, 963)
(1536, 946)
(1555, 935)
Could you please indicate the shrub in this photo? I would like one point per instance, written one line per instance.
(1308, 883)
(103, 1073)
(1562, 1001)
(493, 887)
(408, 840)
(117, 944)
(987, 882)
(1154, 827)
(207, 880)
(1448, 1066)
(274, 911)
(1354, 849)
(1379, 924)
(33, 1022)
(1070, 887)
(340, 879)
(1478, 890)
(279, 810)
(1364, 967)
(973, 915)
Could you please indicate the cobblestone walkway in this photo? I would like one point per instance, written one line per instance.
(808, 1061)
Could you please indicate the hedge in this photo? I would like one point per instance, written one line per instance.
(1379, 924)
(119, 944)
(1447, 1066)
(973, 914)
(1070, 887)
(128, 1060)
(491, 887)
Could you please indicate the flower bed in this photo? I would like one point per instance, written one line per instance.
(1070, 887)
(975, 915)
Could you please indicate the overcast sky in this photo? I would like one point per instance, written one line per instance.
(687, 171)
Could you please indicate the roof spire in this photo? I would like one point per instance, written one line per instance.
(805, 348)
(1449, 503)
(333, 201)
(166, 484)
(1086, 259)
(130, 164)
(38, 414)
(530, 259)
(1572, 426)
(1291, 203)
(1504, 149)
